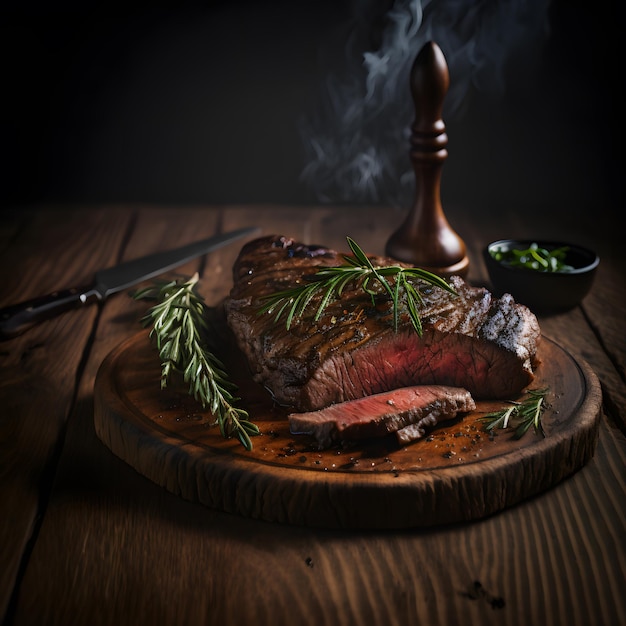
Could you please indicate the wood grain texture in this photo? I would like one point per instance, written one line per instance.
(114, 548)
(37, 371)
(457, 474)
(141, 555)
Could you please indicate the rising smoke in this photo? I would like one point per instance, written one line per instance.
(356, 141)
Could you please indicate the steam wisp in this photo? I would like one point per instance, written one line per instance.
(356, 141)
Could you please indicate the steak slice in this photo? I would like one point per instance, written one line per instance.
(408, 412)
(472, 340)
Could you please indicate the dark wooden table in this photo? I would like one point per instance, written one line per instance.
(85, 539)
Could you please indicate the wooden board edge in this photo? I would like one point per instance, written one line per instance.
(367, 501)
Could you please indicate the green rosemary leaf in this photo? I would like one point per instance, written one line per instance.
(330, 289)
(345, 280)
(351, 261)
(296, 304)
(522, 429)
(365, 285)
(384, 282)
(180, 330)
(400, 281)
(359, 255)
(282, 308)
(329, 283)
(413, 301)
(520, 415)
(494, 423)
(302, 300)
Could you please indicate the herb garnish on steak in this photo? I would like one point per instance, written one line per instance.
(471, 340)
(327, 284)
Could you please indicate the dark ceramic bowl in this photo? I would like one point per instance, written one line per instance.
(543, 292)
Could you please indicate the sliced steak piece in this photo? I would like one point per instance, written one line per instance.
(408, 412)
(472, 340)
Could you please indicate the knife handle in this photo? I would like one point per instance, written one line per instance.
(17, 318)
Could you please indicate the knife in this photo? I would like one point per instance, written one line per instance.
(17, 318)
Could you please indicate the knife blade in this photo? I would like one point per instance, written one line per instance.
(17, 318)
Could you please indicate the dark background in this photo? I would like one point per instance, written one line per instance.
(201, 105)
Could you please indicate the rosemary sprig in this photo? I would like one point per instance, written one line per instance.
(519, 415)
(179, 324)
(329, 283)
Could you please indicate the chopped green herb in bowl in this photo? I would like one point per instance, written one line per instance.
(535, 257)
(546, 276)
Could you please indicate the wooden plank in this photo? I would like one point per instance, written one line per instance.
(121, 315)
(604, 308)
(305, 223)
(138, 552)
(38, 370)
(115, 548)
(71, 245)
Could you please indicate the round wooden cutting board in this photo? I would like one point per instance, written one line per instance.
(458, 473)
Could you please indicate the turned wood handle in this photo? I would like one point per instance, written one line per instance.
(425, 238)
(429, 84)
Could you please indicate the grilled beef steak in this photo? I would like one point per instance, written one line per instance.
(472, 340)
(408, 412)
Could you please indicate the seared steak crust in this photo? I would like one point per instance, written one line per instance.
(473, 340)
